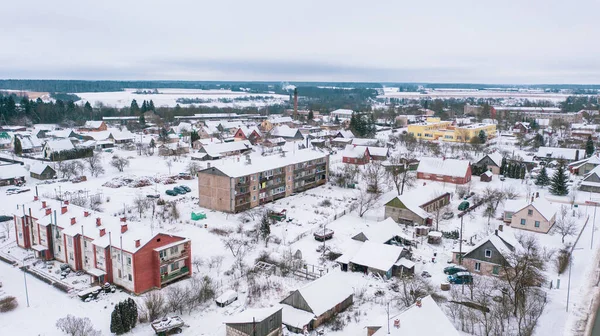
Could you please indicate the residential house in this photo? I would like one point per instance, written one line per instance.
(341, 114)
(121, 137)
(310, 306)
(585, 166)
(239, 186)
(538, 216)
(94, 126)
(173, 149)
(105, 247)
(444, 170)
(522, 127)
(358, 155)
(12, 174)
(382, 259)
(491, 162)
(6, 141)
(424, 318)
(251, 134)
(274, 142)
(416, 207)
(486, 177)
(56, 146)
(286, 132)
(255, 322)
(555, 153)
(436, 129)
(378, 153)
(42, 171)
(490, 255)
(268, 124)
(591, 181)
(213, 151)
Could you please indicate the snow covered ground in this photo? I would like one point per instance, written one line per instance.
(168, 97)
(392, 92)
(308, 214)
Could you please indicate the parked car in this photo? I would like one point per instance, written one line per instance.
(226, 298)
(171, 192)
(186, 188)
(463, 206)
(453, 269)
(460, 278)
(502, 178)
(179, 190)
(153, 195)
(448, 215)
(425, 274)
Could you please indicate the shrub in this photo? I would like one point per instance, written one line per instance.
(325, 203)
(562, 260)
(8, 303)
(77, 326)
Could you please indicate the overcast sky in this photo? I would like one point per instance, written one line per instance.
(510, 41)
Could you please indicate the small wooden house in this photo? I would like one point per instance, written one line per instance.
(42, 171)
(486, 177)
(255, 322)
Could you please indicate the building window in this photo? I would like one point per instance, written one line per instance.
(509, 215)
(174, 266)
(70, 241)
(174, 249)
(254, 198)
(128, 260)
(162, 253)
(254, 188)
(537, 224)
(523, 222)
(477, 267)
(529, 212)
(71, 255)
(488, 253)
(164, 269)
(495, 270)
(129, 277)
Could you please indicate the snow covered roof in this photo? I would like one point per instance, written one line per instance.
(342, 113)
(264, 163)
(346, 134)
(30, 141)
(544, 207)
(219, 149)
(276, 140)
(122, 135)
(296, 318)
(488, 173)
(496, 157)
(383, 231)
(428, 319)
(560, 153)
(364, 142)
(514, 205)
(91, 124)
(504, 242)
(378, 151)
(59, 145)
(326, 292)
(256, 314)
(284, 131)
(356, 152)
(279, 120)
(38, 168)
(101, 135)
(447, 167)
(12, 171)
(376, 255)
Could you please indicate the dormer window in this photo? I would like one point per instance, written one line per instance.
(488, 253)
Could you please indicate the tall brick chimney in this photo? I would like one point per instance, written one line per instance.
(98, 221)
(43, 204)
(35, 198)
(123, 228)
(63, 210)
(48, 211)
(137, 243)
(66, 202)
(73, 220)
(102, 232)
(123, 219)
(295, 103)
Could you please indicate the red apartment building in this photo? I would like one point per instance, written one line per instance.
(106, 248)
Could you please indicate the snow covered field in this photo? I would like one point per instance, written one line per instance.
(392, 92)
(308, 214)
(168, 97)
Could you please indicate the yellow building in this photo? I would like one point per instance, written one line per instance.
(435, 129)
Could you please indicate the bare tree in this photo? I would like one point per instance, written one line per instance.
(77, 326)
(169, 164)
(6, 225)
(365, 201)
(438, 214)
(142, 204)
(399, 174)
(155, 304)
(573, 196)
(565, 225)
(411, 288)
(198, 263)
(193, 167)
(119, 162)
(68, 169)
(176, 298)
(94, 165)
(373, 175)
(236, 245)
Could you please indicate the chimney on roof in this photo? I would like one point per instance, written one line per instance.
(397, 323)
(43, 204)
(73, 220)
(248, 160)
(208, 165)
(123, 219)
(63, 210)
(500, 227)
(66, 202)
(86, 214)
(137, 243)
(123, 228)
(98, 221)
(48, 211)
(419, 303)
(102, 232)
(295, 103)
(496, 232)
(35, 198)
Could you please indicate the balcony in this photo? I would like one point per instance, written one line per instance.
(165, 278)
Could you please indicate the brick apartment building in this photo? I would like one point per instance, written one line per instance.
(106, 248)
(254, 181)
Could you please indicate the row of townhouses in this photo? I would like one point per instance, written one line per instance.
(108, 248)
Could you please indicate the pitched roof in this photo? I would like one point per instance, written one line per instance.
(505, 243)
(256, 314)
(544, 207)
(93, 124)
(558, 153)
(376, 255)
(38, 168)
(383, 231)
(11, 171)
(216, 149)
(59, 145)
(447, 167)
(378, 151)
(326, 292)
(284, 131)
(356, 152)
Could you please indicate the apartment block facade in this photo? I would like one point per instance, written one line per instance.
(435, 129)
(103, 246)
(243, 185)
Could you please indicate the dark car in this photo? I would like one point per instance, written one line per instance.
(171, 192)
(186, 188)
(463, 206)
(153, 196)
(179, 190)
(453, 269)
(460, 278)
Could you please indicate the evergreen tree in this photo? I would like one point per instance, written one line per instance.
(311, 115)
(482, 137)
(18, 146)
(265, 227)
(558, 184)
(142, 120)
(194, 136)
(87, 108)
(542, 179)
(116, 321)
(134, 108)
(152, 143)
(523, 172)
(337, 120)
(589, 146)
(144, 107)
(503, 166)
(132, 313)
(355, 126)
(151, 105)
